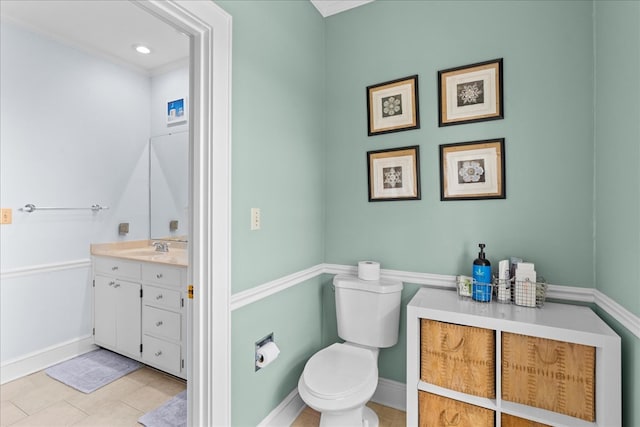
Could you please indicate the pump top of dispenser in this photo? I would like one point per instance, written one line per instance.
(481, 253)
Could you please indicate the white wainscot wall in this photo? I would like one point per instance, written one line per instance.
(46, 315)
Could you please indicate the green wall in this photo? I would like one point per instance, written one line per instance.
(617, 151)
(548, 62)
(278, 134)
(548, 105)
(299, 154)
(617, 177)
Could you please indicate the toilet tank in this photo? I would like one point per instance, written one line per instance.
(368, 311)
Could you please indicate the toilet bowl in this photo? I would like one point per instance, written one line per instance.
(338, 381)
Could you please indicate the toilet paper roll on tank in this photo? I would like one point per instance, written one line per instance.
(368, 270)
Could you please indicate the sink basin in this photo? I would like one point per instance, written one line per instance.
(149, 253)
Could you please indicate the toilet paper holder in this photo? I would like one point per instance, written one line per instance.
(260, 343)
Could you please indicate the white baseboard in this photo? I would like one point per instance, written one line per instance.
(286, 412)
(37, 361)
(389, 393)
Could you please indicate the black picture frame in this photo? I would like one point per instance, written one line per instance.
(471, 93)
(473, 170)
(394, 174)
(393, 106)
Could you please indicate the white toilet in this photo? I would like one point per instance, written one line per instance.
(340, 379)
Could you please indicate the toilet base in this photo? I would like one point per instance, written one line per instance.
(362, 416)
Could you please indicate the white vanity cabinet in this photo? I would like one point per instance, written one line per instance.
(163, 317)
(490, 364)
(117, 293)
(139, 311)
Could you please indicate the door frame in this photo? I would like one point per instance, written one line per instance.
(209, 318)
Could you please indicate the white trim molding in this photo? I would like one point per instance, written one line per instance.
(252, 295)
(37, 361)
(45, 268)
(286, 412)
(618, 312)
(389, 393)
(558, 292)
(208, 372)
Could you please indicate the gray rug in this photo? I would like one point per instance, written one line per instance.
(90, 371)
(172, 414)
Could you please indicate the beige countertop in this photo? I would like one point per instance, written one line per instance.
(143, 250)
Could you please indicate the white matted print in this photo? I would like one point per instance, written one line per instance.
(470, 93)
(472, 170)
(394, 174)
(393, 106)
(177, 111)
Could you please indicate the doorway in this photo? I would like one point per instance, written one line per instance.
(209, 30)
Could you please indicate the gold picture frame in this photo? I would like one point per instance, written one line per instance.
(471, 93)
(473, 170)
(394, 174)
(393, 106)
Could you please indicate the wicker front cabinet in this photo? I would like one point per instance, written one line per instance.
(473, 364)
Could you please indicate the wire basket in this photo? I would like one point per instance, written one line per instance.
(520, 292)
(529, 294)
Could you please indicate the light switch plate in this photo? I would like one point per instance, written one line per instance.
(6, 216)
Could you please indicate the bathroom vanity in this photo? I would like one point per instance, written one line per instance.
(140, 299)
(489, 364)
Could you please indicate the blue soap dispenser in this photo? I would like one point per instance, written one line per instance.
(481, 290)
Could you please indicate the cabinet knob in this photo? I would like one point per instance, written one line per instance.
(158, 353)
(159, 296)
(114, 268)
(117, 285)
(159, 323)
(159, 276)
(111, 283)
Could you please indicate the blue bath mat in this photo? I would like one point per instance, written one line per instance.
(90, 371)
(172, 414)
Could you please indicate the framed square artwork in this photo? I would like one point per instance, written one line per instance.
(394, 174)
(393, 106)
(471, 93)
(472, 170)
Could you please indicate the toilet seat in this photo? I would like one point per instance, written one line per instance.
(341, 371)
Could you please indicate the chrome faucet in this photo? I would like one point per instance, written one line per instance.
(161, 246)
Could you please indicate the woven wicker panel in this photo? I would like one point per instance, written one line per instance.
(438, 411)
(511, 421)
(548, 374)
(460, 358)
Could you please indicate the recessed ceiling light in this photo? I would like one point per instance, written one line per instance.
(140, 48)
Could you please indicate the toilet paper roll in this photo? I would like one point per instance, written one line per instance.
(267, 354)
(368, 270)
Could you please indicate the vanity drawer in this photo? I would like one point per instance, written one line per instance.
(548, 374)
(438, 411)
(161, 297)
(458, 357)
(163, 354)
(162, 274)
(117, 267)
(162, 323)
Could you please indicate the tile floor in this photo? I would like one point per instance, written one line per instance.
(40, 401)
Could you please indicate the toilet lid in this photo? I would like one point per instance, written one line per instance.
(340, 370)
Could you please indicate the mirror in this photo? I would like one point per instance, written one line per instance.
(169, 186)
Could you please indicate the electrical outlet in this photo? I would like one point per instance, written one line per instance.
(255, 218)
(5, 216)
